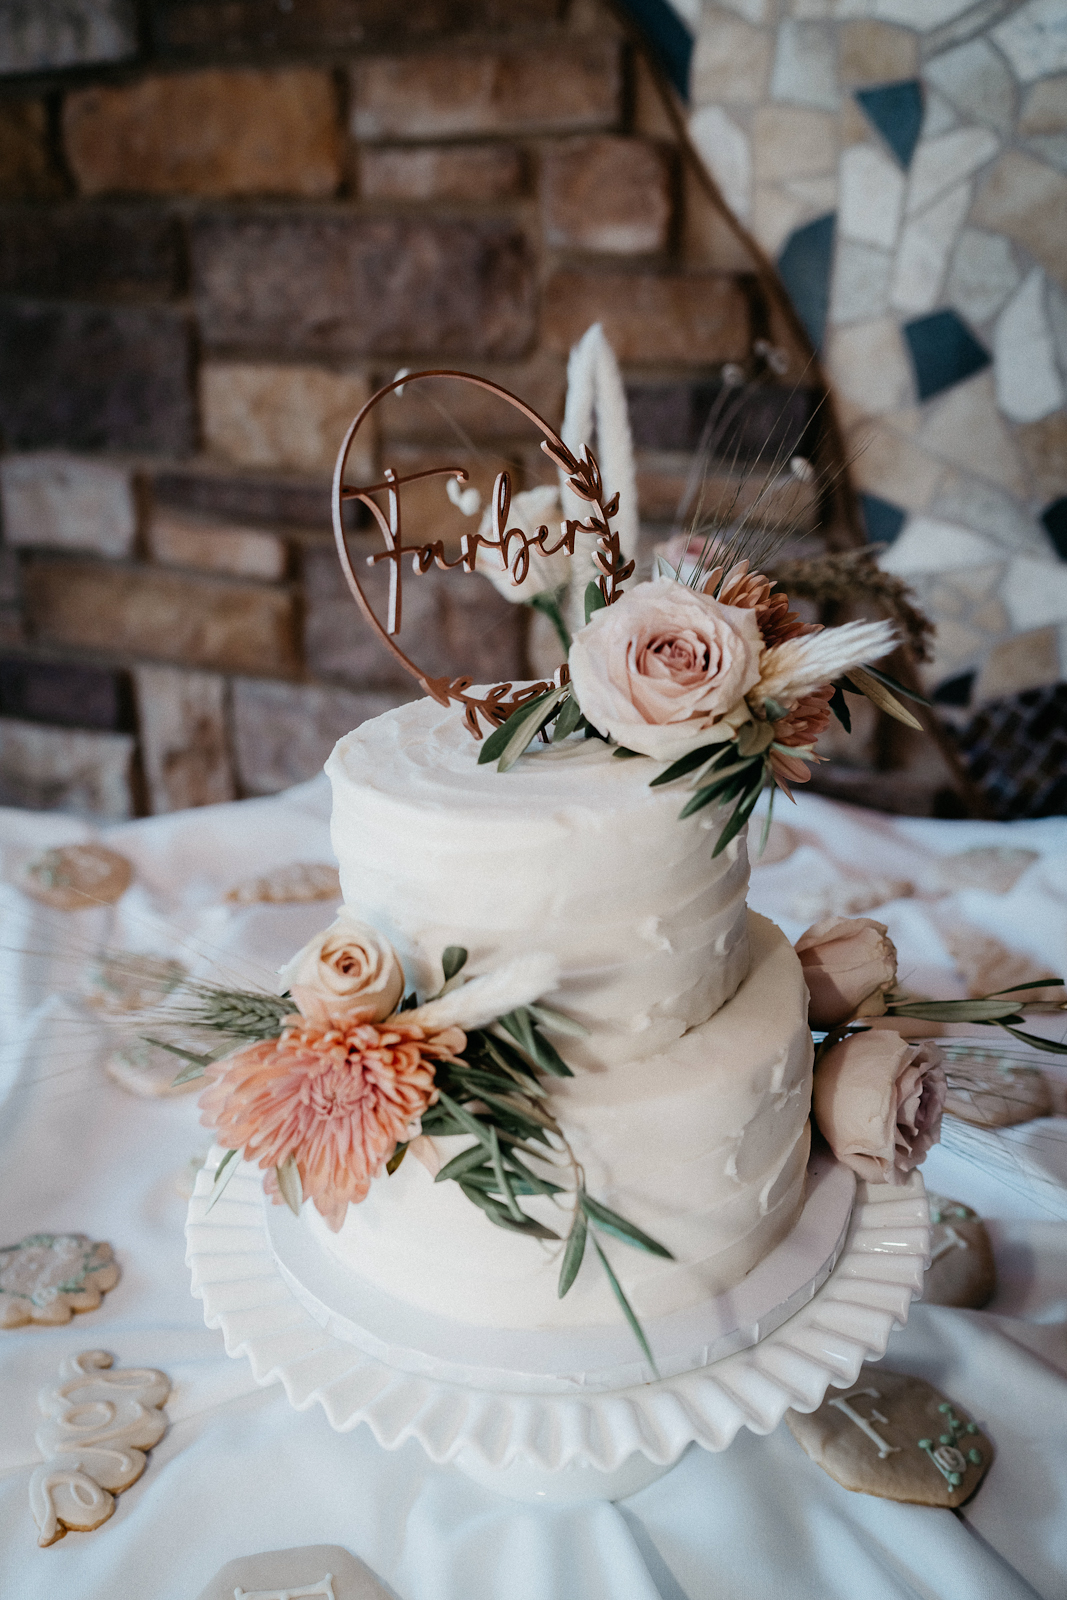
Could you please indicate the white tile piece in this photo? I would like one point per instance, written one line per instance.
(1034, 39)
(1035, 592)
(860, 286)
(976, 79)
(966, 428)
(921, 14)
(837, 10)
(926, 545)
(805, 66)
(1050, 147)
(925, 246)
(938, 115)
(1028, 383)
(870, 196)
(982, 276)
(819, 194)
(756, 11)
(868, 366)
(725, 148)
(1057, 317)
(940, 163)
(972, 502)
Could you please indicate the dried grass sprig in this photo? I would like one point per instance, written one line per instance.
(847, 575)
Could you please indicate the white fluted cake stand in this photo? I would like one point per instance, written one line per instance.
(585, 1443)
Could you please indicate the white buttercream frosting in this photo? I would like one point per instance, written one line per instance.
(571, 853)
(703, 1145)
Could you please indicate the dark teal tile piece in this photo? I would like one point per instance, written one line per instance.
(667, 37)
(804, 265)
(1054, 517)
(896, 110)
(955, 691)
(882, 519)
(943, 352)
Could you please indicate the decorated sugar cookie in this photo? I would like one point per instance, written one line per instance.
(313, 1572)
(897, 1437)
(146, 1068)
(961, 1270)
(99, 1425)
(129, 981)
(296, 883)
(850, 897)
(75, 877)
(990, 1090)
(46, 1277)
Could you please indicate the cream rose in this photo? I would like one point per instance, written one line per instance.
(878, 1102)
(849, 964)
(665, 669)
(349, 971)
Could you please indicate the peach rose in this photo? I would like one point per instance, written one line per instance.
(849, 963)
(878, 1102)
(665, 669)
(349, 971)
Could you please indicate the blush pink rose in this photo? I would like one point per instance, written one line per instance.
(666, 669)
(878, 1101)
(849, 964)
(348, 971)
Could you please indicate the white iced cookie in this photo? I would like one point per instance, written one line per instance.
(76, 877)
(296, 883)
(311, 1572)
(128, 981)
(99, 1423)
(46, 1277)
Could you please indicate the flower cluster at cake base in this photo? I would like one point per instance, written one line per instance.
(342, 1077)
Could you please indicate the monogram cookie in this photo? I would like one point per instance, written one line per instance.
(98, 1426)
(313, 1572)
(991, 1090)
(994, 868)
(296, 883)
(130, 981)
(142, 1066)
(76, 877)
(850, 897)
(897, 1437)
(961, 1270)
(46, 1277)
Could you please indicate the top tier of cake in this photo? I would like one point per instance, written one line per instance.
(570, 852)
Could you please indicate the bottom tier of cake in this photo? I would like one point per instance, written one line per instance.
(703, 1146)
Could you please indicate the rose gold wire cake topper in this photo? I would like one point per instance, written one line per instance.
(512, 544)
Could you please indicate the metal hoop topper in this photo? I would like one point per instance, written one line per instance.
(513, 545)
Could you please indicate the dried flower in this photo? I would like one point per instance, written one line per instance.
(753, 590)
(878, 1101)
(849, 964)
(336, 1097)
(348, 971)
(802, 664)
(800, 728)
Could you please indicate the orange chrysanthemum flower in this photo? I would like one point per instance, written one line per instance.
(337, 1096)
(801, 727)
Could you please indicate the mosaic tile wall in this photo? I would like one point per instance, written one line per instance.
(905, 163)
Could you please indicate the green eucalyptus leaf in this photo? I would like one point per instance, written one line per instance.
(627, 1309)
(1035, 983)
(839, 707)
(738, 819)
(896, 685)
(548, 1018)
(527, 731)
(594, 598)
(396, 1158)
(612, 1223)
(223, 1173)
(466, 1162)
(570, 714)
(453, 960)
(501, 1216)
(1050, 1046)
(686, 764)
(468, 1123)
(289, 1185)
(574, 1251)
(494, 744)
(621, 753)
(503, 1182)
(986, 1010)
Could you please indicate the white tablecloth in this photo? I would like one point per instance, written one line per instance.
(240, 1471)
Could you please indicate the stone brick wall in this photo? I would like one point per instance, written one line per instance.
(221, 227)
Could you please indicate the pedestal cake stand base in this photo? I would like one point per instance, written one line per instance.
(585, 1442)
